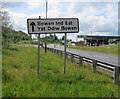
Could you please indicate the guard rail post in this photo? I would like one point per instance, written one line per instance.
(80, 61)
(57, 51)
(116, 74)
(94, 64)
(67, 56)
(53, 50)
(72, 58)
(61, 53)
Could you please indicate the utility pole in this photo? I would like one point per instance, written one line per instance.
(46, 34)
(91, 30)
(91, 35)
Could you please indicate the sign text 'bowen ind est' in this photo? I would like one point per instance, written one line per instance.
(66, 25)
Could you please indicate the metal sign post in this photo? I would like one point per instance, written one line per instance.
(54, 40)
(65, 53)
(45, 45)
(52, 25)
(38, 53)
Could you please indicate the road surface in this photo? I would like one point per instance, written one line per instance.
(107, 58)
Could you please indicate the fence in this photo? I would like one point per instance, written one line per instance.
(95, 63)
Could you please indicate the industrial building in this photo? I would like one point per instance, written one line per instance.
(99, 40)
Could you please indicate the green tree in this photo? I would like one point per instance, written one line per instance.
(5, 19)
(9, 35)
(56, 38)
(63, 37)
(6, 36)
(6, 27)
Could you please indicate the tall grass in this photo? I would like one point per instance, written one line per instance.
(20, 77)
(0, 71)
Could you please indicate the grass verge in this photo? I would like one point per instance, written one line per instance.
(20, 77)
(109, 49)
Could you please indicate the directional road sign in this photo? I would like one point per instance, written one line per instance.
(59, 25)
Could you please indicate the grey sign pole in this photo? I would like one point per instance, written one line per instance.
(34, 27)
(38, 53)
(65, 53)
(54, 40)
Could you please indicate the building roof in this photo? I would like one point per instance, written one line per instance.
(99, 37)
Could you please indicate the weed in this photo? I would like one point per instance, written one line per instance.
(20, 78)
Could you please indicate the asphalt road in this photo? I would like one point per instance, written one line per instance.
(108, 58)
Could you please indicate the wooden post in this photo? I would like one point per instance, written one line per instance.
(72, 58)
(116, 74)
(94, 65)
(80, 61)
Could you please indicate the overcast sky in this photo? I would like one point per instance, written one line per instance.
(99, 17)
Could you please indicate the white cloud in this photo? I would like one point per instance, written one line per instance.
(33, 4)
(54, 13)
(18, 20)
(102, 17)
(5, 9)
(63, 0)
